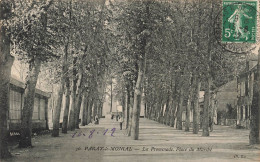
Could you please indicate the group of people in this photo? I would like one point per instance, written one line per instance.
(119, 118)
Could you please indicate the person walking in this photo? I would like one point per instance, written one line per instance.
(117, 116)
(121, 120)
(96, 120)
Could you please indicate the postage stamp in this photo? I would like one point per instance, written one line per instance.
(239, 21)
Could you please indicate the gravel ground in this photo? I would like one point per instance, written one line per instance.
(157, 142)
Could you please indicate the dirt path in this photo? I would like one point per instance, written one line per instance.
(157, 143)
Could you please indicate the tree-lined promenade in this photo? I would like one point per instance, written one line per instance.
(161, 53)
(157, 142)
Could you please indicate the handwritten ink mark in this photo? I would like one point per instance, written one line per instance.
(105, 132)
(113, 131)
(78, 134)
(91, 133)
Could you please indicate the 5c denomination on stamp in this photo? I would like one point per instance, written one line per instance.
(239, 21)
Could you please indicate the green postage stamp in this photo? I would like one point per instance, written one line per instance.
(239, 21)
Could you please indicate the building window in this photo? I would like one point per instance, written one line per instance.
(243, 89)
(15, 105)
(42, 109)
(36, 108)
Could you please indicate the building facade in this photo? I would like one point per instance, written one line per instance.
(40, 111)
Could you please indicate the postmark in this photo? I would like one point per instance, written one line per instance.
(239, 21)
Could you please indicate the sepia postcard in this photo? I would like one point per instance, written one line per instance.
(129, 80)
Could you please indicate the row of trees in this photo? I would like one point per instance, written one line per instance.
(169, 51)
(176, 46)
(65, 38)
(165, 50)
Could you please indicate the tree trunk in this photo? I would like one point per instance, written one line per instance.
(255, 112)
(150, 111)
(67, 107)
(57, 110)
(211, 113)
(145, 110)
(100, 109)
(153, 111)
(188, 107)
(46, 114)
(88, 100)
(84, 105)
(196, 108)
(140, 77)
(148, 107)
(73, 98)
(130, 116)
(71, 125)
(78, 97)
(187, 121)
(167, 109)
(179, 111)
(56, 121)
(89, 112)
(173, 104)
(78, 106)
(173, 112)
(6, 62)
(123, 103)
(111, 95)
(29, 95)
(137, 102)
(127, 107)
(95, 108)
(161, 117)
(206, 107)
(86, 110)
(130, 122)
(156, 111)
